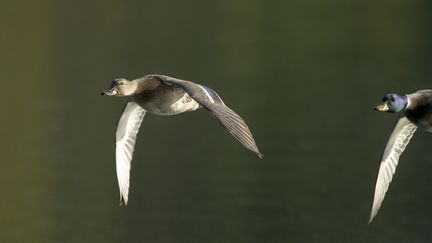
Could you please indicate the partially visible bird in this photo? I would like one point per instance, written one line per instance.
(163, 95)
(417, 112)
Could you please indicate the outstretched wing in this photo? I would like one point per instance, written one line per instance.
(127, 129)
(211, 101)
(399, 139)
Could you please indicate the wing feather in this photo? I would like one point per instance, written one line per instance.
(399, 139)
(211, 101)
(235, 125)
(126, 133)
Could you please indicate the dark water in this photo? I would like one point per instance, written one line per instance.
(303, 74)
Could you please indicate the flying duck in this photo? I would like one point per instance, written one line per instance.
(417, 113)
(163, 95)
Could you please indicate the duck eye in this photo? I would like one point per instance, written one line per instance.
(392, 99)
(121, 83)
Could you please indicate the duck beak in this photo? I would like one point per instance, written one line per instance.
(382, 107)
(110, 92)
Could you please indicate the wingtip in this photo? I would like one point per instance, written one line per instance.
(372, 216)
(370, 219)
(260, 155)
(123, 201)
(373, 213)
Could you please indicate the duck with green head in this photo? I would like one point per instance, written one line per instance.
(417, 112)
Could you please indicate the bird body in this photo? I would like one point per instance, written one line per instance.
(166, 100)
(417, 109)
(163, 95)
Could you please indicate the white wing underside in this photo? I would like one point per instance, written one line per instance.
(126, 133)
(399, 139)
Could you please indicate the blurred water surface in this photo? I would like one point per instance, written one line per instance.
(303, 74)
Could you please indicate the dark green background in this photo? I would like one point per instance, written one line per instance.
(303, 74)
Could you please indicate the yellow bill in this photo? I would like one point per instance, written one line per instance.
(382, 107)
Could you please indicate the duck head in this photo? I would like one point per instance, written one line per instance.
(121, 87)
(392, 103)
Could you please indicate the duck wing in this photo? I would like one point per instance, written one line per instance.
(126, 133)
(213, 103)
(396, 144)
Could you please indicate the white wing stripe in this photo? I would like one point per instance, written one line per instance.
(207, 94)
